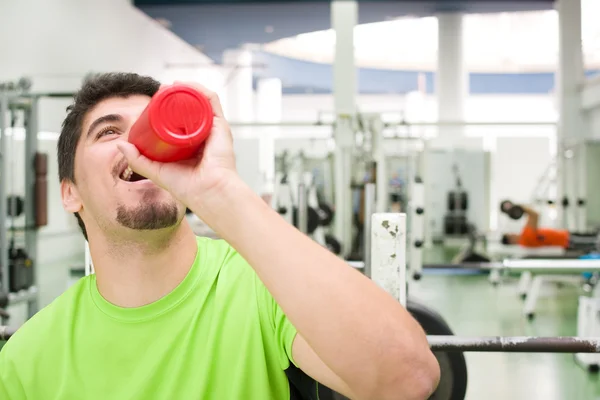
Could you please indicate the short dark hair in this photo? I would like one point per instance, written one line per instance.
(95, 88)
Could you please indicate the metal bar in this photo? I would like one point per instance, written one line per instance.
(468, 123)
(388, 253)
(396, 124)
(6, 332)
(24, 296)
(476, 266)
(281, 123)
(516, 344)
(499, 266)
(3, 181)
(367, 230)
(31, 147)
(417, 226)
(48, 94)
(552, 264)
(302, 209)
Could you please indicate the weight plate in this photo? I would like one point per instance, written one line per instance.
(333, 244)
(458, 201)
(326, 214)
(515, 212)
(453, 367)
(15, 206)
(313, 219)
(505, 206)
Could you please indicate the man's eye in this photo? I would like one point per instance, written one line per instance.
(106, 131)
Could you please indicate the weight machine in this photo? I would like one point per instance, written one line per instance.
(298, 199)
(18, 254)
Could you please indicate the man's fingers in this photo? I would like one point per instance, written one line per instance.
(138, 162)
(212, 97)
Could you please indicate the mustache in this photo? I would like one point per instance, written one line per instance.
(119, 167)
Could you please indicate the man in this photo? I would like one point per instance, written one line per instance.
(534, 236)
(168, 315)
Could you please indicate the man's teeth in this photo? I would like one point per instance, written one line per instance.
(126, 175)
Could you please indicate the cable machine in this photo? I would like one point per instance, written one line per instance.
(21, 214)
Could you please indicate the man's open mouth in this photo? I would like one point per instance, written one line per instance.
(129, 176)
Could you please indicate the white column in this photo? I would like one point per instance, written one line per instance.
(451, 87)
(344, 17)
(571, 127)
(268, 109)
(239, 96)
(451, 79)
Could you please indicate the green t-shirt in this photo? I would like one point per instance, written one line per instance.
(218, 335)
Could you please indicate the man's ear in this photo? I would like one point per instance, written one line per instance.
(70, 196)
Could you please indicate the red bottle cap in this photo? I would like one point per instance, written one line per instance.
(180, 115)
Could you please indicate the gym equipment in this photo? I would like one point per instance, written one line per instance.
(457, 201)
(174, 125)
(455, 220)
(41, 189)
(389, 271)
(456, 224)
(468, 253)
(313, 219)
(6, 332)
(333, 244)
(326, 214)
(19, 109)
(454, 376)
(513, 211)
(20, 270)
(417, 221)
(523, 344)
(3, 300)
(15, 206)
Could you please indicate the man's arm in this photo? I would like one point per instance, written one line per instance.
(532, 216)
(363, 335)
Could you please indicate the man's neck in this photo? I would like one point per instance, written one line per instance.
(135, 272)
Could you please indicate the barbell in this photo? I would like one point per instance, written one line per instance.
(517, 344)
(388, 270)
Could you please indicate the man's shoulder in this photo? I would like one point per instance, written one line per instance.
(38, 330)
(227, 263)
(219, 251)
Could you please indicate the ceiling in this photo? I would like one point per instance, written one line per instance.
(214, 26)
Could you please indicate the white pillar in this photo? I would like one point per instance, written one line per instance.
(451, 79)
(451, 87)
(344, 17)
(268, 109)
(571, 127)
(239, 96)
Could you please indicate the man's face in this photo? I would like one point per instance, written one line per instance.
(103, 193)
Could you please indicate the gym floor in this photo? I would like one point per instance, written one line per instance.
(473, 307)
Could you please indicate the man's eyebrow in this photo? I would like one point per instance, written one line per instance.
(103, 119)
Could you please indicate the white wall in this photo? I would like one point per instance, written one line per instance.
(56, 43)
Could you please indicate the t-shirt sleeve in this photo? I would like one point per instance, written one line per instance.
(273, 316)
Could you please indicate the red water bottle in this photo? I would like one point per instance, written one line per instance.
(174, 125)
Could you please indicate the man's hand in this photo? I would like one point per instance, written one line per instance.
(204, 175)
